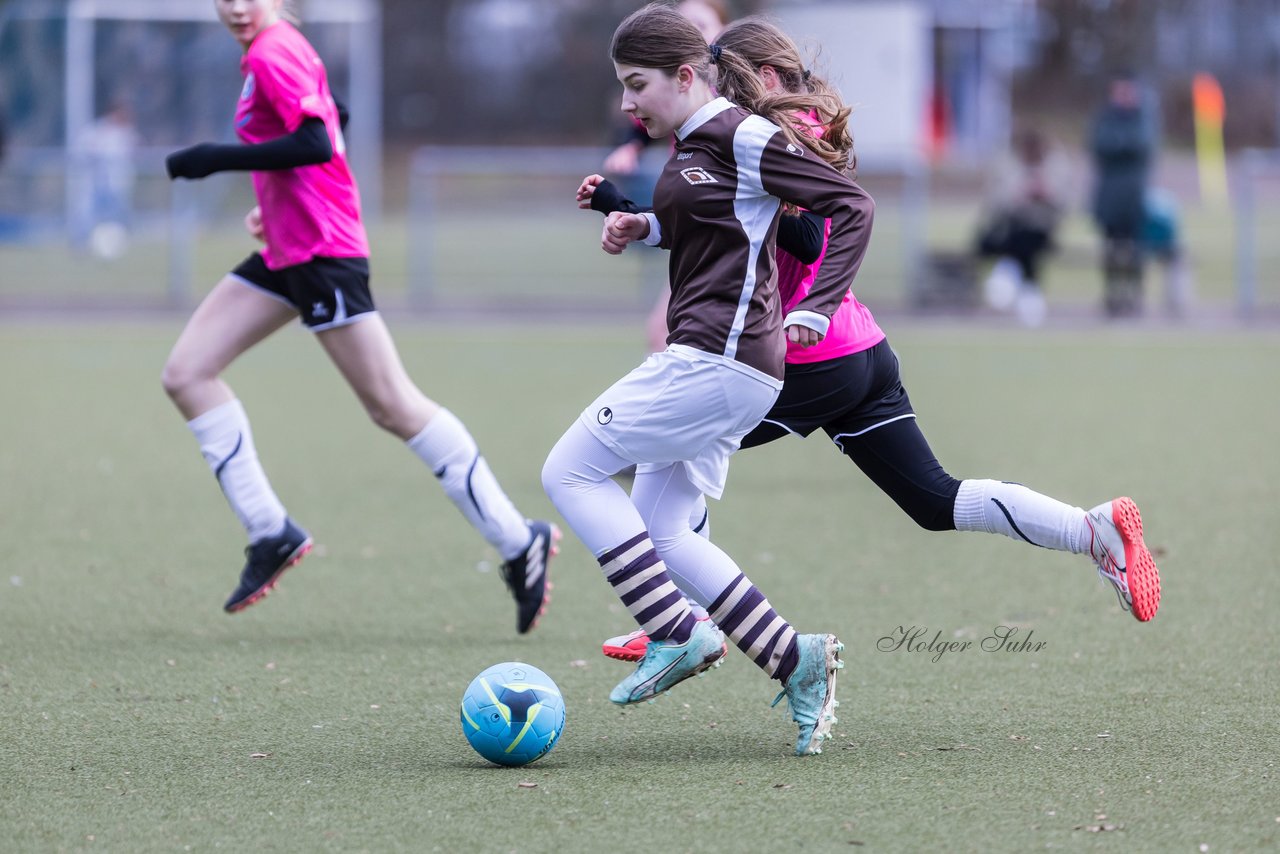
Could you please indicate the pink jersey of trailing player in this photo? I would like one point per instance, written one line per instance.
(852, 329)
(311, 210)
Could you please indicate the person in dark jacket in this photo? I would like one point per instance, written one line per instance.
(1123, 144)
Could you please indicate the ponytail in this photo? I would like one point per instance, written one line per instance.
(754, 42)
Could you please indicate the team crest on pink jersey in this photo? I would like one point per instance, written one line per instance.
(698, 175)
(247, 92)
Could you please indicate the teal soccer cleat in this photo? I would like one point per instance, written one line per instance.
(811, 690)
(666, 664)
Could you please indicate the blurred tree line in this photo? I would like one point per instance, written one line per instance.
(508, 71)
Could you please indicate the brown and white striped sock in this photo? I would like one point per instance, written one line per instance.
(651, 597)
(743, 614)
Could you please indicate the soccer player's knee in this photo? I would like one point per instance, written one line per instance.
(667, 538)
(554, 474)
(176, 378)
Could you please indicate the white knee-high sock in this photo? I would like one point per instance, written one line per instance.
(996, 507)
(227, 445)
(447, 447)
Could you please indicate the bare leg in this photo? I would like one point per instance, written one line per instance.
(366, 356)
(230, 320)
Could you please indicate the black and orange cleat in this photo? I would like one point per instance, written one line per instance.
(265, 561)
(526, 575)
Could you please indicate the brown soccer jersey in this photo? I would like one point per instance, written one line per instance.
(716, 206)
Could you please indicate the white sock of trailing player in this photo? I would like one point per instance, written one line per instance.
(227, 445)
(447, 447)
(996, 507)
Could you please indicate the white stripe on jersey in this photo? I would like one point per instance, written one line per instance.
(753, 207)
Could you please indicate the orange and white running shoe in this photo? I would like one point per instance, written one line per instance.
(1116, 546)
(626, 647)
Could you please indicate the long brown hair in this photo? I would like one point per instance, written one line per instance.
(657, 36)
(747, 45)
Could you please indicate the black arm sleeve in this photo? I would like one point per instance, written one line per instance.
(607, 199)
(343, 115)
(802, 236)
(306, 146)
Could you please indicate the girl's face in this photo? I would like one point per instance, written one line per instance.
(246, 18)
(653, 98)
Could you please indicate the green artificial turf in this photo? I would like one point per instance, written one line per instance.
(138, 717)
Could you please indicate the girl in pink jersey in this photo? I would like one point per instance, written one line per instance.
(314, 265)
(849, 385)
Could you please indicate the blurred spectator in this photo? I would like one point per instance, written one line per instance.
(1026, 198)
(109, 146)
(1162, 239)
(1123, 144)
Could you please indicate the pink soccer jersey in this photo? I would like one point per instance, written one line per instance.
(311, 210)
(852, 329)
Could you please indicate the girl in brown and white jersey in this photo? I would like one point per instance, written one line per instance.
(680, 415)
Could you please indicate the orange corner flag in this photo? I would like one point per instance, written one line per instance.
(1206, 98)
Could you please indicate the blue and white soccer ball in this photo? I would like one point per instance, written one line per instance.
(512, 713)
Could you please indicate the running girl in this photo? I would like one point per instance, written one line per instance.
(681, 414)
(315, 265)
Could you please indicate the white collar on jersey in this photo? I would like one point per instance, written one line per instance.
(705, 113)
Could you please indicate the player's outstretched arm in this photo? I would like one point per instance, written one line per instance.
(306, 146)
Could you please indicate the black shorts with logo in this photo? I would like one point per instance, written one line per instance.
(326, 292)
(845, 396)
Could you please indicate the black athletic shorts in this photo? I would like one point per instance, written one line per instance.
(845, 397)
(326, 292)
